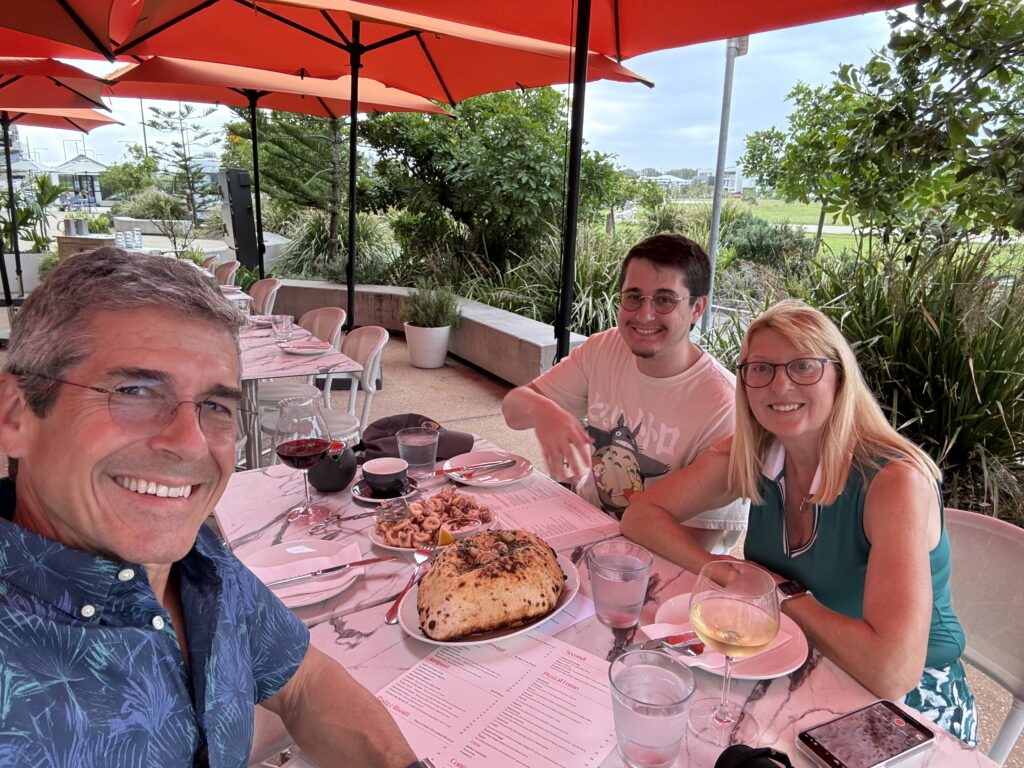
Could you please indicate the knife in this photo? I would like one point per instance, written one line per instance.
(467, 467)
(686, 643)
(323, 571)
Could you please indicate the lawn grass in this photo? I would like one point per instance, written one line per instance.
(780, 211)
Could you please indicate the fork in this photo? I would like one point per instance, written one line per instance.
(422, 556)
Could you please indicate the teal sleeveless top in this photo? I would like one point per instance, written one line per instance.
(833, 563)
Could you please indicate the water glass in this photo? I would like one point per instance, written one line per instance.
(651, 696)
(618, 581)
(418, 446)
(282, 327)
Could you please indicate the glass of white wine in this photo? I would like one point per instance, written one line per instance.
(734, 609)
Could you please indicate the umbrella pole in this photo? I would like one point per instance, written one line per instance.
(13, 212)
(572, 204)
(261, 249)
(353, 121)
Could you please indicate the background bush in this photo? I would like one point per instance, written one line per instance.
(151, 203)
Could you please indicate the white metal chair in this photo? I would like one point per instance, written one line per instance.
(988, 570)
(325, 323)
(264, 294)
(224, 274)
(364, 345)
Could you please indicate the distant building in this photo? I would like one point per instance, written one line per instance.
(668, 181)
(81, 175)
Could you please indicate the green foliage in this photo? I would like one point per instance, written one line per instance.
(940, 337)
(431, 306)
(186, 176)
(131, 176)
(497, 169)
(779, 246)
(102, 224)
(245, 277)
(151, 203)
(30, 213)
(762, 157)
(198, 256)
(47, 264)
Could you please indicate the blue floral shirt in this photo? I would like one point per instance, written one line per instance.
(91, 673)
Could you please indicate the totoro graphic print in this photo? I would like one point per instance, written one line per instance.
(619, 468)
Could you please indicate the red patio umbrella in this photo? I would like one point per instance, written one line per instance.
(208, 82)
(623, 29)
(434, 58)
(83, 120)
(83, 24)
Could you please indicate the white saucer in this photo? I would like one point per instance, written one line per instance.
(304, 350)
(361, 492)
(409, 618)
(786, 654)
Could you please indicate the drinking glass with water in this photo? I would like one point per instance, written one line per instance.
(618, 581)
(418, 446)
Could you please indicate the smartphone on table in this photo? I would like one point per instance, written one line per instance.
(878, 735)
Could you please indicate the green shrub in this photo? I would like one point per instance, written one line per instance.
(431, 306)
(152, 203)
(939, 334)
(780, 246)
(102, 224)
(195, 255)
(47, 264)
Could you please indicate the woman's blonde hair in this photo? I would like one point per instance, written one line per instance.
(856, 432)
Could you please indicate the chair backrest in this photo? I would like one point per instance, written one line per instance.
(987, 571)
(325, 323)
(225, 273)
(264, 294)
(209, 261)
(365, 345)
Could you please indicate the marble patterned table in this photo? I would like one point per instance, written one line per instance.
(262, 359)
(350, 626)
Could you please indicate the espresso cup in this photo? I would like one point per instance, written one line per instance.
(385, 476)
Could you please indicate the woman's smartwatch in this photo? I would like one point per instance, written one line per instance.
(790, 589)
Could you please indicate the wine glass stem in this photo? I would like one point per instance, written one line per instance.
(724, 714)
(305, 486)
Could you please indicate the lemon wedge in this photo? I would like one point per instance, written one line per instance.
(444, 538)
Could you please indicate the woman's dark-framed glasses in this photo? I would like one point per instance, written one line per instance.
(662, 301)
(803, 371)
(147, 407)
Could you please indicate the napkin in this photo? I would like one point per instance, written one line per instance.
(306, 562)
(711, 659)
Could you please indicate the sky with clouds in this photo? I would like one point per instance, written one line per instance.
(673, 125)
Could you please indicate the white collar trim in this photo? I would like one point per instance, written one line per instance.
(775, 462)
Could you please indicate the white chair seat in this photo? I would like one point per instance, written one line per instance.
(273, 392)
(341, 424)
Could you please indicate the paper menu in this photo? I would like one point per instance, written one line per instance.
(527, 702)
(554, 513)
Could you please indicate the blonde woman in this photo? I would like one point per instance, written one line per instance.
(845, 511)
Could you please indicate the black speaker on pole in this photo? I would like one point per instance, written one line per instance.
(236, 197)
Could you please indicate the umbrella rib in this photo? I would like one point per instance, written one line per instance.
(393, 39)
(295, 25)
(327, 108)
(615, 25)
(97, 43)
(437, 72)
(12, 79)
(62, 84)
(160, 28)
(334, 25)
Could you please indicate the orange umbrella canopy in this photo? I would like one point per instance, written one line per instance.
(438, 59)
(31, 82)
(82, 24)
(83, 120)
(626, 28)
(208, 82)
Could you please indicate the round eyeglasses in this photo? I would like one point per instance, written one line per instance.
(803, 371)
(663, 301)
(146, 407)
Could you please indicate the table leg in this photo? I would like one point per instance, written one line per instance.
(251, 422)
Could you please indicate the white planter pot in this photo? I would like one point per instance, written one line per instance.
(428, 347)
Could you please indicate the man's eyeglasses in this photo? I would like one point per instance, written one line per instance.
(663, 301)
(803, 371)
(146, 407)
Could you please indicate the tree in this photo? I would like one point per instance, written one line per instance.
(762, 157)
(497, 169)
(683, 173)
(187, 177)
(132, 176)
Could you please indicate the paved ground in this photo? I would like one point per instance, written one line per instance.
(462, 397)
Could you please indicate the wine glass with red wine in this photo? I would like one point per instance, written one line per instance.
(301, 442)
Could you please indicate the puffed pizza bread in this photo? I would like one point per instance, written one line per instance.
(489, 581)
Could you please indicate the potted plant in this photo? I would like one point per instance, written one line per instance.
(429, 314)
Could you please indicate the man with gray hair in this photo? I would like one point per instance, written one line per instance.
(129, 635)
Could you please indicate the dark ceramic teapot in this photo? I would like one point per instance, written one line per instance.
(336, 471)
